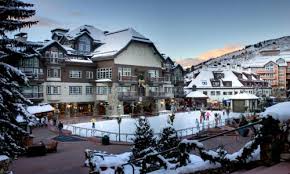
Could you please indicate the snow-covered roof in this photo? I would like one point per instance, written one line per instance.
(48, 43)
(203, 79)
(244, 96)
(79, 60)
(279, 111)
(68, 49)
(116, 41)
(94, 32)
(40, 108)
(196, 94)
(261, 61)
(103, 80)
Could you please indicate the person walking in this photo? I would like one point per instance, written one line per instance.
(207, 115)
(200, 117)
(60, 127)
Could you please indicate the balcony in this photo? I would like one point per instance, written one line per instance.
(128, 96)
(179, 94)
(56, 61)
(157, 95)
(263, 71)
(156, 79)
(127, 79)
(33, 95)
(33, 73)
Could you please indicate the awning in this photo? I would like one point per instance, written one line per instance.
(244, 96)
(41, 108)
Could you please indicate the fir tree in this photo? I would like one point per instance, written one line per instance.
(12, 17)
(168, 140)
(144, 139)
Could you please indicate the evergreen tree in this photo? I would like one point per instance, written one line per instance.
(12, 17)
(168, 140)
(144, 138)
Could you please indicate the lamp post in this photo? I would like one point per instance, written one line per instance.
(119, 120)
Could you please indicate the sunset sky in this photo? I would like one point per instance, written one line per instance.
(180, 28)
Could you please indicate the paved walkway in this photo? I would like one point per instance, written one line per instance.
(68, 160)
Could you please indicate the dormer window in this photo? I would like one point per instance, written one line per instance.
(84, 44)
(204, 82)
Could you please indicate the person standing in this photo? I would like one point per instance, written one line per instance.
(197, 124)
(60, 127)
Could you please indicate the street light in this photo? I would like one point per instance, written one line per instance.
(119, 120)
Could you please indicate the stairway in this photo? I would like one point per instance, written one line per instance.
(280, 168)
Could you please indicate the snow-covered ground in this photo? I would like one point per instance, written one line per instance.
(182, 120)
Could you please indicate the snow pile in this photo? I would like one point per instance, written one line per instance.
(3, 157)
(196, 94)
(279, 111)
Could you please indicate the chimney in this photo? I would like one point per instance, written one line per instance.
(21, 37)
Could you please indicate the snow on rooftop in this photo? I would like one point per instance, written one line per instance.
(196, 94)
(244, 96)
(279, 111)
(116, 41)
(40, 108)
(103, 80)
(94, 32)
(79, 60)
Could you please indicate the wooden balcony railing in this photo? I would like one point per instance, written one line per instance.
(156, 79)
(127, 78)
(33, 95)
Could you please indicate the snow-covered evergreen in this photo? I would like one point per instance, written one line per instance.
(168, 139)
(12, 103)
(144, 138)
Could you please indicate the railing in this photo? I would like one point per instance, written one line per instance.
(131, 95)
(176, 148)
(156, 94)
(156, 79)
(127, 137)
(33, 73)
(33, 95)
(127, 78)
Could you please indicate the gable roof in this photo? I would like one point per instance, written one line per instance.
(95, 33)
(50, 43)
(115, 42)
(170, 60)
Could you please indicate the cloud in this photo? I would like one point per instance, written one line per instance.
(188, 62)
(45, 22)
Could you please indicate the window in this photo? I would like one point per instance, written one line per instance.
(218, 93)
(84, 44)
(124, 89)
(212, 92)
(167, 89)
(75, 90)
(153, 73)
(104, 73)
(124, 71)
(89, 90)
(224, 93)
(89, 74)
(230, 93)
(75, 74)
(53, 90)
(204, 92)
(269, 67)
(103, 90)
(53, 73)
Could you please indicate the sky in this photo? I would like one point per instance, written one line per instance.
(195, 29)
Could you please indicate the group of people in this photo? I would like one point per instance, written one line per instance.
(205, 116)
